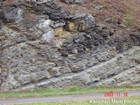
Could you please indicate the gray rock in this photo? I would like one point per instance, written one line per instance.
(39, 1)
(1, 2)
(49, 7)
(74, 51)
(1, 24)
(57, 14)
(4, 74)
(24, 79)
(72, 1)
(17, 4)
(37, 76)
(137, 36)
(87, 23)
(54, 72)
(56, 24)
(14, 83)
(20, 39)
(102, 26)
(11, 15)
(80, 37)
(48, 36)
(44, 25)
(83, 21)
(105, 34)
(80, 66)
(78, 15)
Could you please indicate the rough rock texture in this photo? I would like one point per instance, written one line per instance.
(47, 7)
(80, 22)
(1, 2)
(72, 1)
(11, 15)
(43, 46)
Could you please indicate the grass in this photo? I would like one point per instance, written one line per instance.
(134, 100)
(69, 91)
(129, 20)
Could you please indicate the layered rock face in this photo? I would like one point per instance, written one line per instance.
(42, 46)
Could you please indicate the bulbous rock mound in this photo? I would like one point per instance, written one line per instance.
(42, 45)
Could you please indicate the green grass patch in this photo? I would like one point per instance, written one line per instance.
(68, 91)
(134, 100)
(129, 20)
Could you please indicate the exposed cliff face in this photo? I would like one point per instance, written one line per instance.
(42, 45)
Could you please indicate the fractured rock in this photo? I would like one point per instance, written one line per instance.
(72, 1)
(81, 23)
(71, 26)
(1, 2)
(48, 36)
(11, 15)
(87, 23)
(58, 31)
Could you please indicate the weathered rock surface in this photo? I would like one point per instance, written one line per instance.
(72, 1)
(1, 2)
(47, 7)
(43, 46)
(80, 22)
(11, 15)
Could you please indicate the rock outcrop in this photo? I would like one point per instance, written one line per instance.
(1, 2)
(41, 45)
(72, 1)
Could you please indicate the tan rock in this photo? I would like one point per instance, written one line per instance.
(66, 35)
(72, 27)
(58, 31)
